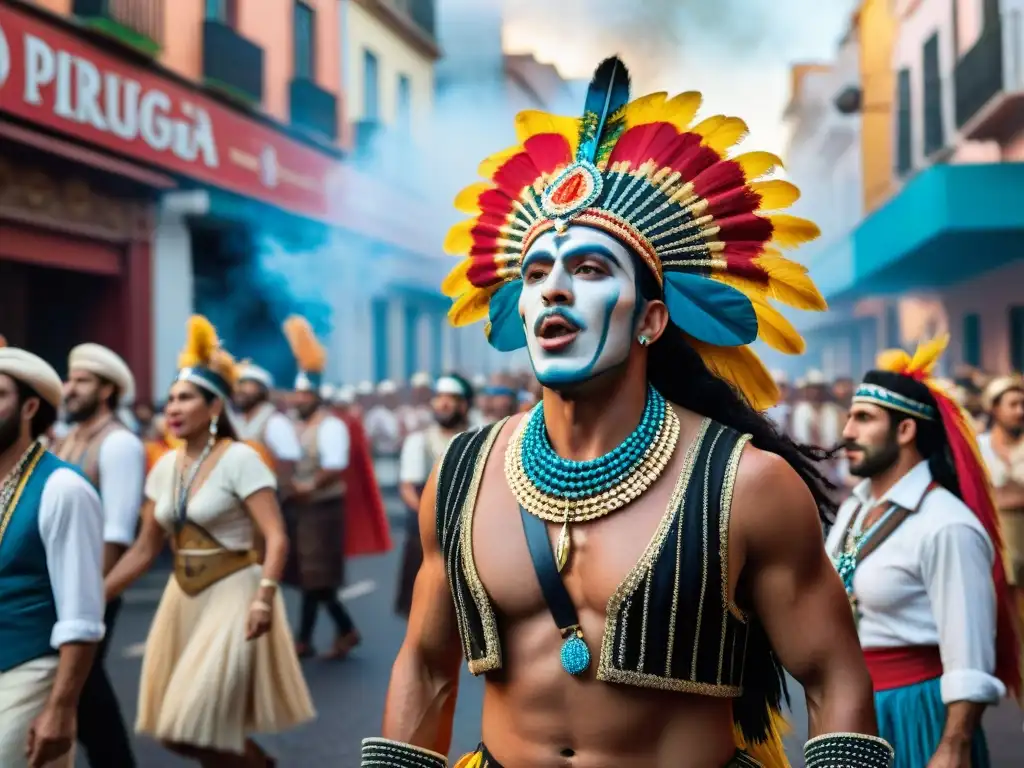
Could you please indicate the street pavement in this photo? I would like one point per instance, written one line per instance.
(349, 696)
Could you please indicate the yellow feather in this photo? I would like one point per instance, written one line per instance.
(487, 168)
(471, 307)
(789, 283)
(459, 241)
(928, 354)
(200, 341)
(791, 231)
(309, 353)
(757, 164)
(457, 283)
(771, 753)
(472, 760)
(708, 125)
(775, 194)
(741, 368)
(533, 122)
(726, 135)
(468, 200)
(775, 330)
(646, 109)
(683, 107)
(893, 360)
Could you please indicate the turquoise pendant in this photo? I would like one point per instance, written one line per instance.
(575, 654)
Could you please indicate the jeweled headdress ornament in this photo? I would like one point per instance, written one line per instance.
(905, 384)
(204, 362)
(640, 172)
(310, 355)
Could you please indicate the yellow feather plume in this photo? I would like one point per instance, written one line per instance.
(200, 342)
(658, 108)
(309, 353)
(459, 241)
(923, 361)
(468, 199)
(775, 330)
(789, 283)
(775, 194)
(726, 135)
(757, 164)
(893, 360)
(791, 231)
(533, 122)
(682, 108)
(742, 368)
(457, 282)
(491, 164)
(708, 125)
(771, 753)
(471, 307)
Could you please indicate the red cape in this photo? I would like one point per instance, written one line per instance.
(367, 531)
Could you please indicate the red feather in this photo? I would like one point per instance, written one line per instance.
(734, 201)
(745, 226)
(483, 273)
(689, 157)
(516, 174)
(642, 143)
(495, 201)
(549, 151)
(718, 178)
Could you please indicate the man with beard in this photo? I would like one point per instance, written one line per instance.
(317, 508)
(501, 401)
(453, 397)
(263, 426)
(51, 573)
(917, 548)
(113, 459)
(1002, 448)
(634, 562)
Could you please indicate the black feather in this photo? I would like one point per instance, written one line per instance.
(607, 98)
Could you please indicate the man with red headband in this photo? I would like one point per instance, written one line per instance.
(917, 546)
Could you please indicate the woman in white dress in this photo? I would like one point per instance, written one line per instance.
(220, 663)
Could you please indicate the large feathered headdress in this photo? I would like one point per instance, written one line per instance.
(310, 355)
(639, 171)
(905, 384)
(204, 362)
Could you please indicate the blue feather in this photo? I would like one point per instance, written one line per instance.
(507, 333)
(607, 97)
(710, 311)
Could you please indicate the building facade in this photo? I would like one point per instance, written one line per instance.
(939, 243)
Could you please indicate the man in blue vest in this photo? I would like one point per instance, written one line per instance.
(51, 573)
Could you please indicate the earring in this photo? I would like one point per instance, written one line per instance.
(644, 341)
(213, 427)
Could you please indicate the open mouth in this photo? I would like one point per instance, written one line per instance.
(556, 332)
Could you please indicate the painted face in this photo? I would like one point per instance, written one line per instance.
(579, 305)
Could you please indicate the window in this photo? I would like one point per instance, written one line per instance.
(371, 86)
(972, 339)
(1017, 338)
(304, 43)
(403, 108)
(904, 136)
(934, 136)
(221, 10)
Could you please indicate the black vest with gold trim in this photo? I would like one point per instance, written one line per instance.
(670, 625)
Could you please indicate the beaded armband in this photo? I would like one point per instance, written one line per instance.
(385, 753)
(848, 750)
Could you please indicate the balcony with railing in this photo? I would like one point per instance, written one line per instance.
(137, 24)
(232, 64)
(415, 20)
(313, 109)
(990, 81)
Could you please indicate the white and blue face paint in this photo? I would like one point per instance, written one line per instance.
(579, 305)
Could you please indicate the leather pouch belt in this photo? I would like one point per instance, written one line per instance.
(200, 561)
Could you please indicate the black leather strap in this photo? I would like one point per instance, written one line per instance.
(555, 593)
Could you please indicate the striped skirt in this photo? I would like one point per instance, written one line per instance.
(912, 719)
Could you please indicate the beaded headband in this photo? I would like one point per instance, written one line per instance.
(638, 171)
(886, 398)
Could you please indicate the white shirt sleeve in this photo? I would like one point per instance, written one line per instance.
(956, 563)
(282, 439)
(333, 444)
(122, 465)
(71, 527)
(412, 464)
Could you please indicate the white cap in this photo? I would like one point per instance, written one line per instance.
(35, 372)
(779, 376)
(815, 378)
(327, 392)
(420, 379)
(387, 387)
(364, 388)
(250, 372)
(479, 381)
(98, 360)
(345, 395)
(449, 385)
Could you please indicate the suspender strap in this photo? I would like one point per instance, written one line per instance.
(555, 593)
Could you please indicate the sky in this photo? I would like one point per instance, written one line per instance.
(737, 52)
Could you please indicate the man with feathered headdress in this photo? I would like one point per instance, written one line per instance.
(113, 459)
(918, 547)
(634, 561)
(51, 572)
(318, 499)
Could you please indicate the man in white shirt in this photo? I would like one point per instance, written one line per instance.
(317, 508)
(263, 425)
(916, 546)
(113, 459)
(51, 573)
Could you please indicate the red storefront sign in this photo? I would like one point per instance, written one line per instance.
(52, 78)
